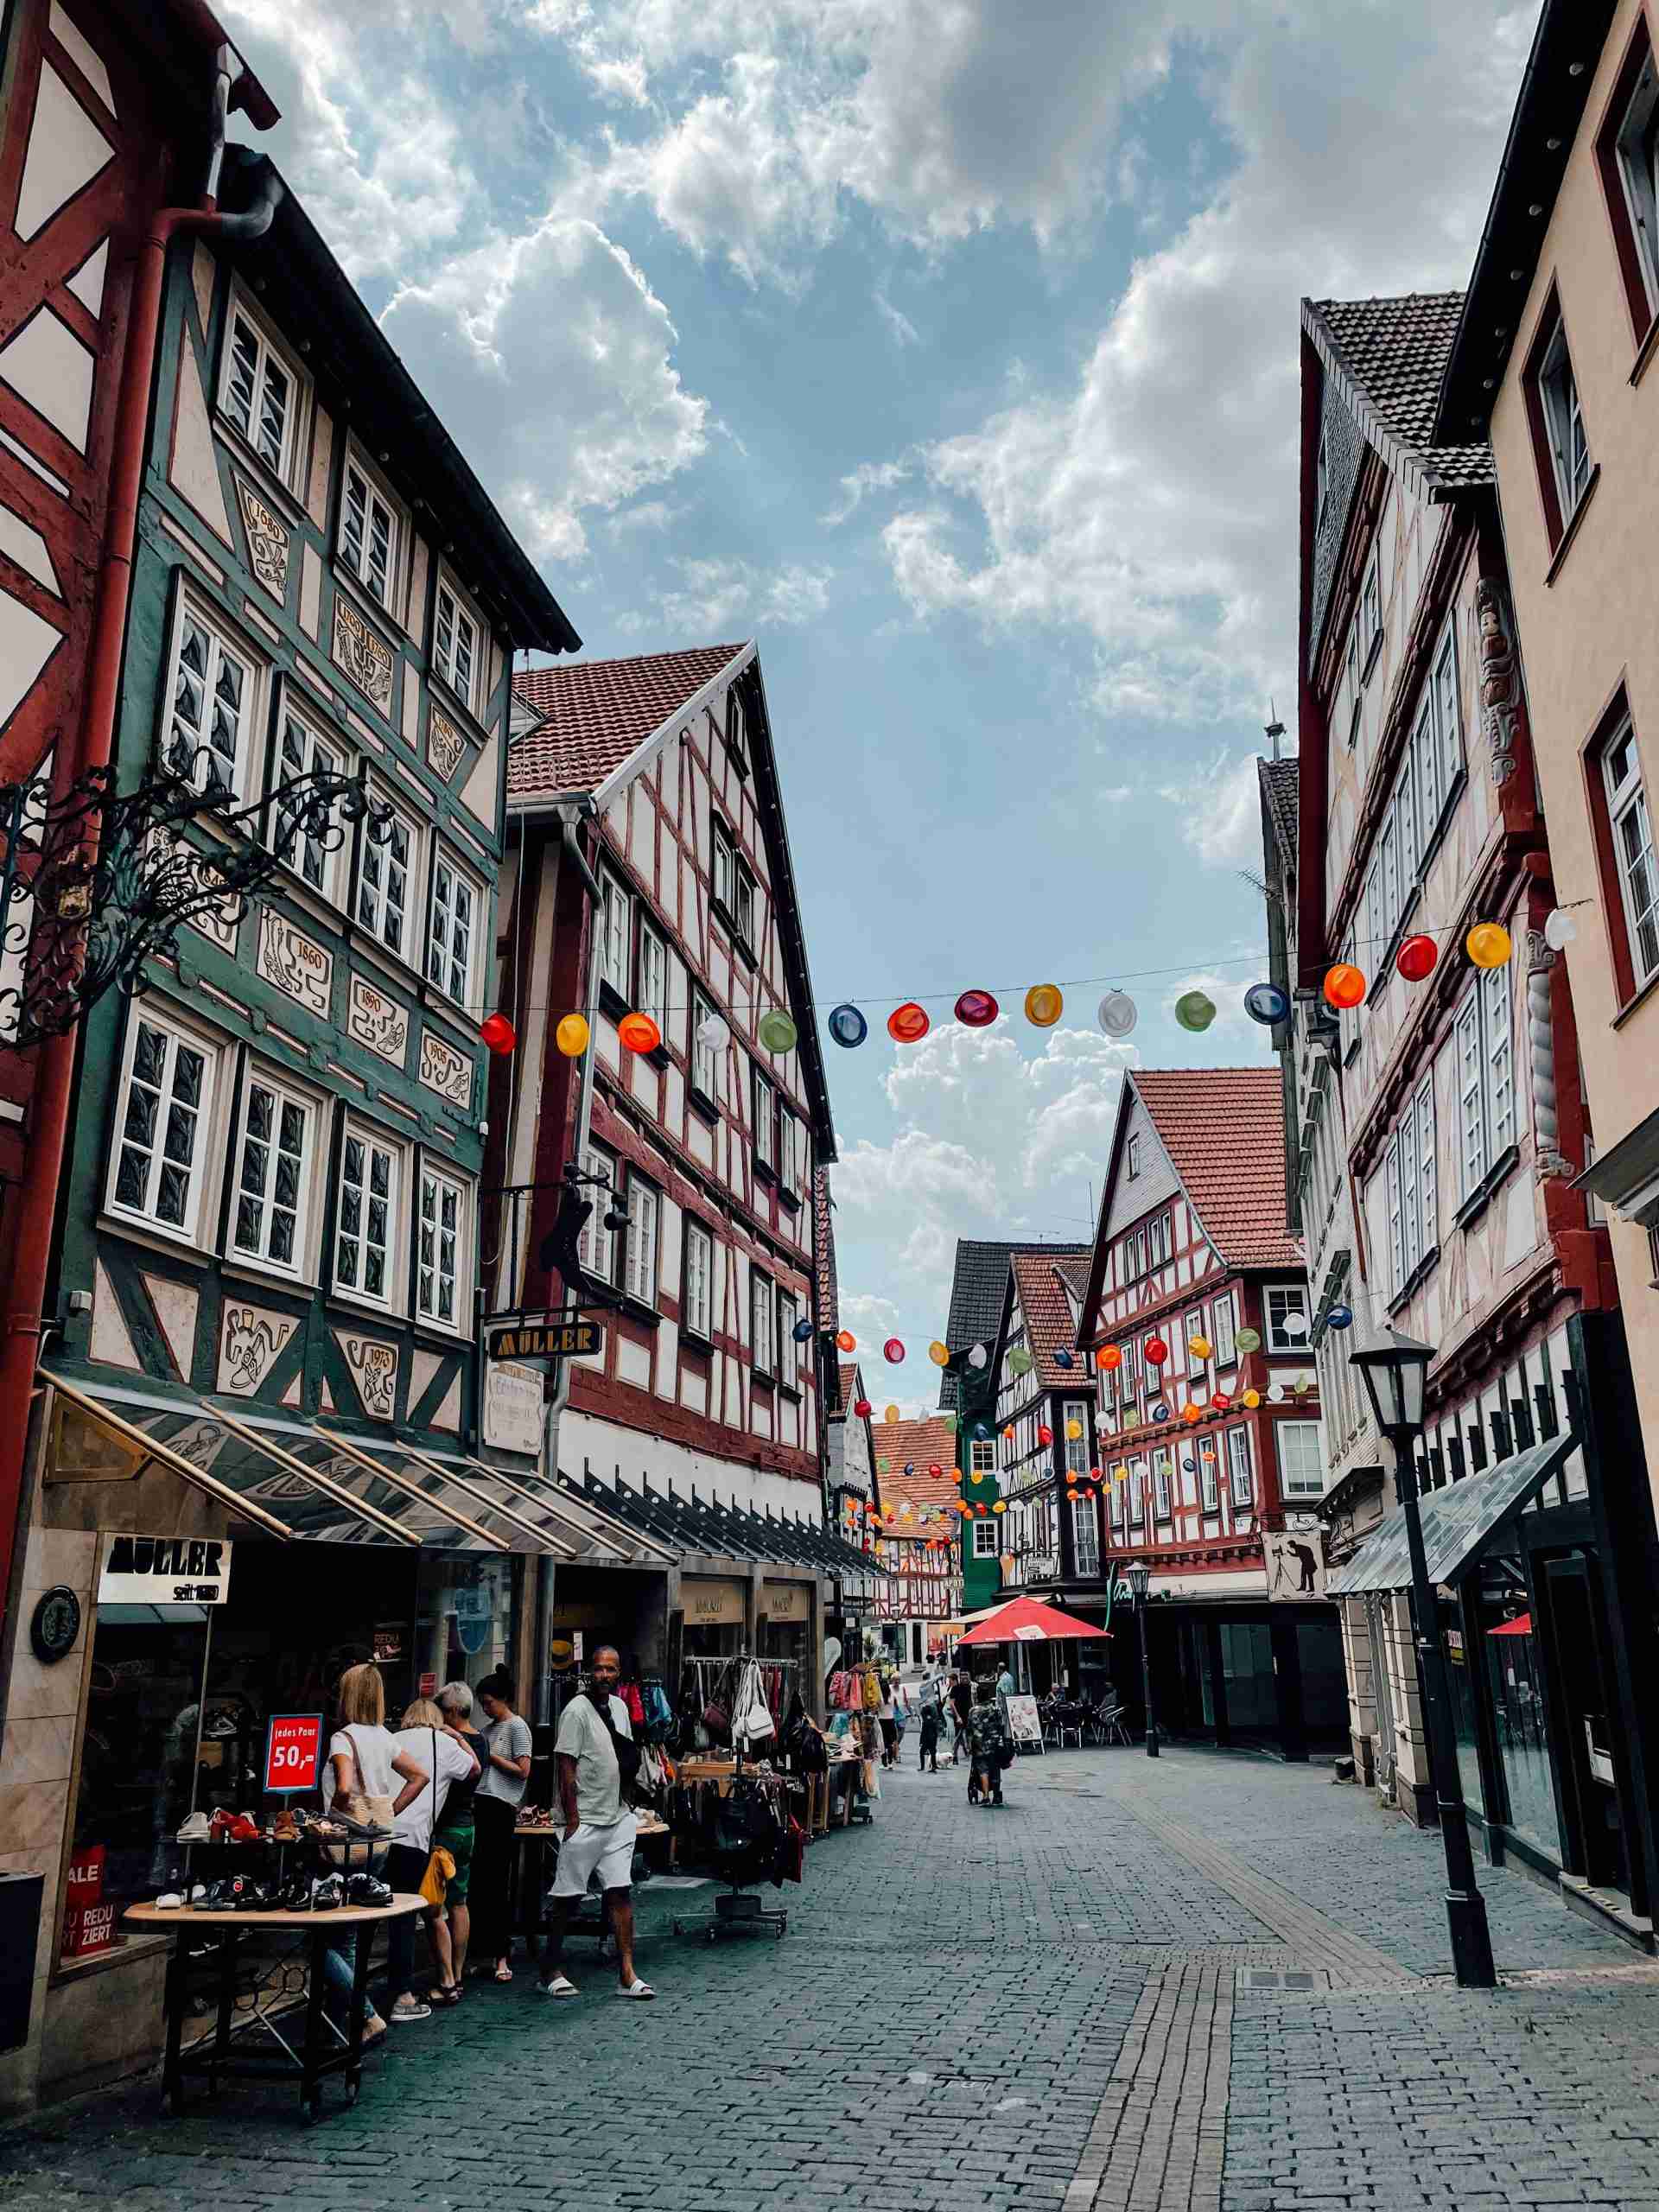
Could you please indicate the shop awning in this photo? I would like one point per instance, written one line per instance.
(1521, 1625)
(1459, 1522)
(296, 1479)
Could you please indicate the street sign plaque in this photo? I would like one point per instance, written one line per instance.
(576, 1339)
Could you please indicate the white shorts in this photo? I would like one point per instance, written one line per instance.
(610, 1850)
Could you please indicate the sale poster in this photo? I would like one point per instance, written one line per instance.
(293, 1752)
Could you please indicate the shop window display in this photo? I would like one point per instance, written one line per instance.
(140, 1750)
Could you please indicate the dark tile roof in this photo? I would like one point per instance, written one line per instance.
(824, 1251)
(1280, 787)
(977, 1289)
(595, 713)
(1224, 1130)
(1047, 1311)
(1392, 354)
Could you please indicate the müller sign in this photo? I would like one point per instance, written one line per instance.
(165, 1571)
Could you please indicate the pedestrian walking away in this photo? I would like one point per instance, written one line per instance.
(962, 1704)
(425, 1734)
(594, 1760)
(495, 1813)
(987, 1732)
(888, 1719)
(930, 1739)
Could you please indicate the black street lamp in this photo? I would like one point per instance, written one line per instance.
(1394, 1373)
(1139, 1582)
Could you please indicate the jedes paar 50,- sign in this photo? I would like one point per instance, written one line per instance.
(165, 1571)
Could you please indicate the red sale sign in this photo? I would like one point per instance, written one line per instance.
(293, 1752)
(88, 1921)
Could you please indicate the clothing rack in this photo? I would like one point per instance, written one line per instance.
(737, 1661)
(738, 1912)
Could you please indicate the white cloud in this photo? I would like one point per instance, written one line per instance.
(869, 476)
(900, 328)
(552, 356)
(735, 595)
(1220, 808)
(1152, 506)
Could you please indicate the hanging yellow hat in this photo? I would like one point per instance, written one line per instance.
(1074, 1430)
(571, 1036)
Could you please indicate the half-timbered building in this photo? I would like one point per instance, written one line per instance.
(1209, 1443)
(651, 875)
(1463, 1105)
(920, 1588)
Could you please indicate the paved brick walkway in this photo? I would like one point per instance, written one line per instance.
(1203, 1984)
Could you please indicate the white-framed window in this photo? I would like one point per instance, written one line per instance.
(386, 884)
(615, 923)
(765, 1131)
(441, 1251)
(1115, 1502)
(1485, 1050)
(274, 1173)
(643, 1236)
(791, 1151)
(1136, 1486)
(723, 867)
(743, 912)
(1370, 607)
(1076, 1447)
(705, 1059)
(1158, 1240)
(1192, 1324)
(1638, 164)
(301, 749)
(789, 1312)
(1448, 714)
(1425, 759)
(1347, 1020)
(212, 693)
(1222, 1331)
(698, 1316)
(1138, 1252)
(456, 644)
(1632, 824)
(762, 1314)
(452, 932)
(1410, 1165)
(1302, 1459)
(370, 528)
(1355, 671)
(366, 1227)
(1134, 1162)
(261, 392)
(596, 1246)
(1162, 1500)
(1086, 1536)
(1569, 446)
(652, 997)
(985, 1536)
(1208, 1473)
(1238, 1464)
(163, 1125)
(1281, 1300)
(982, 1456)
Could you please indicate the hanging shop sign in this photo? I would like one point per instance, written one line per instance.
(165, 1571)
(474, 1616)
(512, 1406)
(712, 1603)
(577, 1339)
(784, 1601)
(293, 1754)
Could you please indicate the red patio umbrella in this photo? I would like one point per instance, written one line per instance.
(1029, 1620)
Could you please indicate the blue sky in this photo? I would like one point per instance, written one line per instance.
(949, 348)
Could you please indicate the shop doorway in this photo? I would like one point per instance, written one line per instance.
(1583, 1705)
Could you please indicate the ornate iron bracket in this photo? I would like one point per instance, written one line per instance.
(95, 883)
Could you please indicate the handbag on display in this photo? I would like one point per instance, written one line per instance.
(754, 1721)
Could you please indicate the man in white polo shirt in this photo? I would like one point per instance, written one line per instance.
(599, 1823)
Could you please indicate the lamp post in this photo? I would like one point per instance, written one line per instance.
(1394, 1372)
(1139, 1577)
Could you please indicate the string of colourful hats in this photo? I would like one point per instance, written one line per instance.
(1345, 987)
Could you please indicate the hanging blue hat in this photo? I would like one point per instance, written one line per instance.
(848, 1026)
(1340, 1316)
(981, 1432)
(802, 1330)
(1158, 1411)
(1266, 1002)
(1064, 1359)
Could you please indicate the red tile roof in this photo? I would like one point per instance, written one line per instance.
(824, 1251)
(596, 713)
(848, 1384)
(920, 1444)
(1224, 1130)
(1047, 1311)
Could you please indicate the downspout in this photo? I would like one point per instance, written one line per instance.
(93, 745)
(560, 1397)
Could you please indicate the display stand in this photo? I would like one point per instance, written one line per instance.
(740, 1911)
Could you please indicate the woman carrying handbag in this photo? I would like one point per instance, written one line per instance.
(367, 1764)
(419, 1865)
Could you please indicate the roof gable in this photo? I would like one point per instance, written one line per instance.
(1387, 357)
(1223, 1131)
(594, 715)
(979, 1285)
(1039, 1290)
(920, 1445)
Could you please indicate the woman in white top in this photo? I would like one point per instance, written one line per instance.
(425, 1734)
(368, 1760)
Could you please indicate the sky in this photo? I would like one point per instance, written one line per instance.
(949, 349)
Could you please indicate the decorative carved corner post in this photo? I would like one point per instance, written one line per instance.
(1548, 1158)
(1500, 679)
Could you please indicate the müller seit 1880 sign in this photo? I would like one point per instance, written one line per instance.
(165, 1571)
(544, 1339)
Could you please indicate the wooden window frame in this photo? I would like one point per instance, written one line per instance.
(286, 1093)
(1551, 329)
(702, 1331)
(395, 1298)
(1636, 231)
(376, 488)
(193, 1230)
(287, 469)
(1619, 920)
(763, 1300)
(447, 667)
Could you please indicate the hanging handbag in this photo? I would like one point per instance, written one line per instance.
(754, 1721)
(440, 1863)
(372, 1808)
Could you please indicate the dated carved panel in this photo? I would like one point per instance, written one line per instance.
(294, 963)
(448, 1072)
(379, 1022)
(268, 541)
(362, 653)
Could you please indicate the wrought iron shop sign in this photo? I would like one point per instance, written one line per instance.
(577, 1339)
(95, 883)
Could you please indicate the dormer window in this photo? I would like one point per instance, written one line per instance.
(261, 393)
(455, 652)
(370, 528)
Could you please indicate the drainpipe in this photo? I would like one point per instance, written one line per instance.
(561, 1394)
(93, 744)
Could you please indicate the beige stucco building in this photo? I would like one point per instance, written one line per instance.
(1554, 356)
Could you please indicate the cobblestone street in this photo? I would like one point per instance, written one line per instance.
(1213, 1981)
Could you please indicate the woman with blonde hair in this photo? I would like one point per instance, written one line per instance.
(368, 1763)
(425, 1733)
